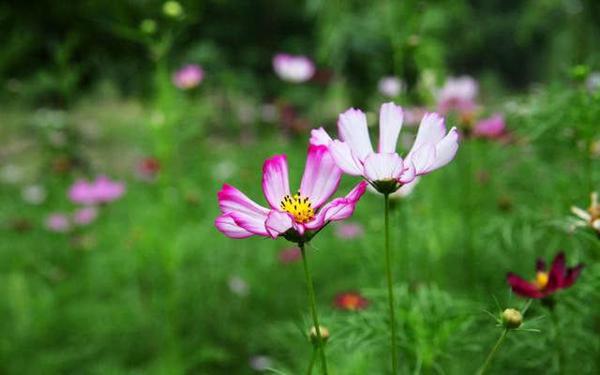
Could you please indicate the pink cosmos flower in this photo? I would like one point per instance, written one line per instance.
(458, 94)
(58, 222)
(85, 215)
(292, 68)
(349, 231)
(188, 77)
(385, 170)
(492, 128)
(102, 190)
(390, 86)
(295, 217)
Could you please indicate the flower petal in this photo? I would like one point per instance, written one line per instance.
(445, 150)
(383, 167)
(246, 214)
(339, 208)
(345, 159)
(321, 176)
(522, 287)
(275, 181)
(319, 137)
(409, 174)
(390, 123)
(226, 225)
(431, 130)
(581, 213)
(422, 158)
(572, 275)
(352, 128)
(557, 272)
(278, 223)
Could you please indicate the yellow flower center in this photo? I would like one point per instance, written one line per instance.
(300, 207)
(541, 279)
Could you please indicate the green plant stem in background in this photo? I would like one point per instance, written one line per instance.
(390, 284)
(313, 357)
(313, 308)
(492, 353)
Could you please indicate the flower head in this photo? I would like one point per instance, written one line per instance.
(298, 216)
(188, 77)
(390, 86)
(292, 68)
(58, 222)
(458, 94)
(591, 216)
(385, 170)
(85, 215)
(492, 128)
(350, 301)
(511, 318)
(545, 282)
(147, 169)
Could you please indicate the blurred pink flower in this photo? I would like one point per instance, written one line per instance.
(58, 222)
(292, 68)
(413, 115)
(102, 190)
(188, 77)
(493, 127)
(349, 231)
(85, 215)
(390, 86)
(290, 255)
(458, 94)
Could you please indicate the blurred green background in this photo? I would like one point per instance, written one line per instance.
(150, 286)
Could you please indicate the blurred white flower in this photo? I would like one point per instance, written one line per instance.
(33, 194)
(260, 362)
(293, 68)
(268, 112)
(224, 170)
(390, 86)
(593, 82)
(11, 174)
(238, 286)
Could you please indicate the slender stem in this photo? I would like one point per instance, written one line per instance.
(313, 308)
(492, 353)
(390, 285)
(313, 357)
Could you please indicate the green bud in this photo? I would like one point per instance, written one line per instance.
(512, 318)
(172, 9)
(314, 338)
(148, 26)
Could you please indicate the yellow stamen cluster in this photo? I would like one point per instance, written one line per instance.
(541, 279)
(300, 207)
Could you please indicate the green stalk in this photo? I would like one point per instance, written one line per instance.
(313, 357)
(313, 308)
(390, 284)
(492, 353)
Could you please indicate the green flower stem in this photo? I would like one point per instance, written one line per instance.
(313, 357)
(313, 308)
(492, 353)
(390, 284)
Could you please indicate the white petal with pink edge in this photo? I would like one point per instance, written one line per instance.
(278, 223)
(319, 137)
(275, 181)
(352, 128)
(345, 159)
(390, 124)
(321, 176)
(431, 130)
(383, 167)
(446, 149)
(226, 225)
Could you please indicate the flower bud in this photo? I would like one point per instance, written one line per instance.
(314, 338)
(512, 318)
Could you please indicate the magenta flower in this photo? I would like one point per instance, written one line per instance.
(290, 255)
(492, 128)
(545, 283)
(58, 222)
(292, 68)
(85, 215)
(385, 170)
(102, 190)
(458, 94)
(188, 77)
(296, 217)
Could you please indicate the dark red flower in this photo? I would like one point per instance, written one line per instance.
(545, 283)
(148, 168)
(350, 301)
